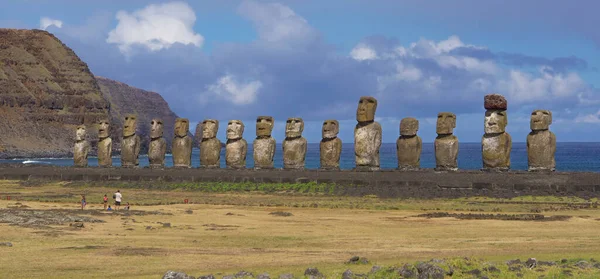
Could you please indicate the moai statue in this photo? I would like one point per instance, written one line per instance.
(496, 143)
(210, 146)
(409, 145)
(158, 144)
(104, 144)
(264, 144)
(81, 148)
(130, 143)
(331, 145)
(446, 144)
(367, 135)
(294, 145)
(236, 147)
(541, 143)
(182, 144)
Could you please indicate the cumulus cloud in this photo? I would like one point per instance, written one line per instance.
(593, 118)
(363, 52)
(46, 22)
(155, 27)
(233, 91)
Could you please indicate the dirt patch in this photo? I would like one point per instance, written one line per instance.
(281, 213)
(505, 217)
(42, 218)
(139, 251)
(86, 247)
(215, 227)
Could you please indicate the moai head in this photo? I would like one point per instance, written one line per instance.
(495, 115)
(103, 128)
(446, 122)
(129, 125)
(235, 129)
(294, 127)
(80, 133)
(264, 126)
(210, 127)
(366, 109)
(540, 120)
(156, 129)
(182, 126)
(409, 126)
(331, 128)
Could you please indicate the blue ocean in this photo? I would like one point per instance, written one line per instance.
(570, 156)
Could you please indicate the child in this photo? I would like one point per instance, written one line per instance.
(109, 208)
(83, 203)
(127, 206)
(105, 200)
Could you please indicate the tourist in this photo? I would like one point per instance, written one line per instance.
(105, 200)
(127, 206)
(109, 208)
(118, 197)
(83, 203)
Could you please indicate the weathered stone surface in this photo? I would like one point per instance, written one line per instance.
(367, 135)
(495, 102)
(236, 147)
(330, 146)
(158, 145)
(541, 142)
(496, 144)
(104, 144)
(176, 275)
(182, 144)
(130, 143)
(81, 148)
(210, 146)
(294, 145)
(264, 144)
(409, 145)
(446, 144)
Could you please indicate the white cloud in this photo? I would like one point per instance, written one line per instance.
(46, 22)
(526, 87)
(155, 27)
(589, 118)
(277, 24)
(237, 93)
(363, 52)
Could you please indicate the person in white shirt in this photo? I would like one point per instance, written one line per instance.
(118, 197)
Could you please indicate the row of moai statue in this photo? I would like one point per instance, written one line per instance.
(496, 142)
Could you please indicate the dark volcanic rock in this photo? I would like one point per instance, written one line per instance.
(495, 101)
(176, 275)
(45, 92)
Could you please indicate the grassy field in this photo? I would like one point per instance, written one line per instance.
(227, 228)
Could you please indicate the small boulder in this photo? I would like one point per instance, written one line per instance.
(176, 275)
(531, 263)
(430, 271)
(583, 264)
(210, 276)
(166, 225)
(263, 276)
(6, 244)
(313, 273)
(286, 276)
(375, 268)
(228, 277)
(491, 269)
(77, 225)
(244, 274)
(348, 274)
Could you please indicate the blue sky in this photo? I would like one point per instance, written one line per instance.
(237, 59)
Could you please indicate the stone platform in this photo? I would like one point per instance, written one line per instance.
(425, 183)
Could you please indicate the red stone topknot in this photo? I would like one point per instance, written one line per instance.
(495, 101)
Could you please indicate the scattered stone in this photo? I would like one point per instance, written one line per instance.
(176, 275)
(348, 274)
(375, 268)
(313, 273)
(428, 270)
(281, 213)
(358, 260)
(33, 218)
(149, 227)
(491, 269)
(513, 262)
(597, 265)
(228, 277)
(475, 272)
(76, 225)
(583, 264)
(544, 263)
(408, 271)
(243, 274)
(263, 276)
(7, 244)
(286, 276)
(166, 225)
(563, 261)
(515, 268)
(531, 263)
(189, 211)
(229, 214)
(210, 276)
(567, 272)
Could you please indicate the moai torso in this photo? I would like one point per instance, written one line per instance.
(182, 144)
(130, 150)
(496, 151)
(294, 145)
(81, 147)
(331, 149)
(367, 135)
(235, 153)
(446, 152)
(264, 144)
(210, 153)
(264, 151)
(541, 142)
(156, 152)
(105, 152)
(409, 145)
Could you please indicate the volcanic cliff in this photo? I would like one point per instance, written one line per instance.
(46, 91)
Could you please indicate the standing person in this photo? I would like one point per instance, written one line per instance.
(83, 203)
(105, 200)
(118, 197)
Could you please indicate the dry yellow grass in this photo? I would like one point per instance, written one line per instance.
(209, 240)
